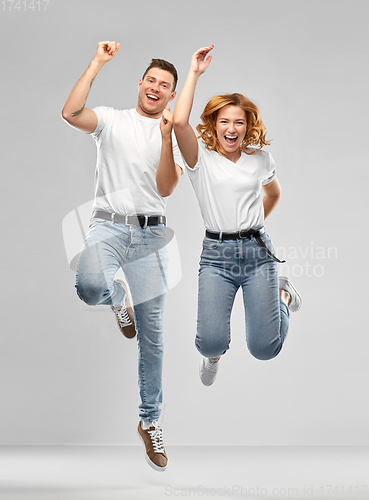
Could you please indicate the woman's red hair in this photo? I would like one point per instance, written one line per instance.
(255, 133)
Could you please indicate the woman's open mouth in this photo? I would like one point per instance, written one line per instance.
(230, 139)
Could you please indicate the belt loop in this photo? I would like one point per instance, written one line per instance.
(112, 217)
(146, 221)
(220, 236)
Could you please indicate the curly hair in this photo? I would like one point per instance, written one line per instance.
(255, 132)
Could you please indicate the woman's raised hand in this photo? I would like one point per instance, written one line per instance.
(186, 137)
(200, 61)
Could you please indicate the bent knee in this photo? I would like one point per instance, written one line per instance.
(264, 353)
(91, 293)
(211, 349)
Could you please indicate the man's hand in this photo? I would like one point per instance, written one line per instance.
(106, 51)
(167, 173)
(199, 63)
(166, 124)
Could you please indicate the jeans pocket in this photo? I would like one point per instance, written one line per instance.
(97, 221)
(158, 231)
(209, 244)
(268, 243)
(266, 238)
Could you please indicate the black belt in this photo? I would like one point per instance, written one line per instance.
(131, 220)
(244, 233)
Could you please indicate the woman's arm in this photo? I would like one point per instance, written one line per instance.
(186, 137)
(272, 194)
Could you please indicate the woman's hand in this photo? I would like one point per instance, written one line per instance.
(186, 137)
(199, 61)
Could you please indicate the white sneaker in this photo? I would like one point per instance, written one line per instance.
(125, 316)
(208, 370)
(296, 301)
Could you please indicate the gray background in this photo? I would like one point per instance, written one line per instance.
(66, 374)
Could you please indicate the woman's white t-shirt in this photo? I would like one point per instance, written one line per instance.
(229, 194)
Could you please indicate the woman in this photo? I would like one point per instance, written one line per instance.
(229, 177)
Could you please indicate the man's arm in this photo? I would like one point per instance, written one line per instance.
(74, 111)
(272, 194)
(168, 172)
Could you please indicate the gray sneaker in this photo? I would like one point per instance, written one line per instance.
(208, 370)
(296, 301)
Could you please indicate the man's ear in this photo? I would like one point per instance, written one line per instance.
(140, 83)
(172, 96)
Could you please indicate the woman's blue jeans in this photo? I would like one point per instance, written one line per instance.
(142, 254)
(224, 267)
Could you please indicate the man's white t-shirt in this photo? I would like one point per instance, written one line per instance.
(128, 154)
(229, 194)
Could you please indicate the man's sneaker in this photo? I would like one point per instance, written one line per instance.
(208, 370)
(296, 301)
(125, 316)
(152, 439)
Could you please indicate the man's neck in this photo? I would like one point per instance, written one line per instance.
(142, 112)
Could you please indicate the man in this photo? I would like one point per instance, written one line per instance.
(138, 166)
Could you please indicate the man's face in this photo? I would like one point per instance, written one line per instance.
(154, 92)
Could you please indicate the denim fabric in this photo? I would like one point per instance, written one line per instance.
(142, 254)
(224, 267)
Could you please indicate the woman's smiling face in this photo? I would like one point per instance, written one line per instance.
(231, 129)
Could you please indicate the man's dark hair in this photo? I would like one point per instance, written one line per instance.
(167, 66)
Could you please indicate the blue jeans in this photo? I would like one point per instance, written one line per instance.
(142, 254)
(224, 267)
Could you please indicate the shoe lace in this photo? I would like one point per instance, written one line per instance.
(122, 315)
(156, 436)
(212, 365)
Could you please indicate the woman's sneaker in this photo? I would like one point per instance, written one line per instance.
(125, 316)
(296, 301)
(208, 370)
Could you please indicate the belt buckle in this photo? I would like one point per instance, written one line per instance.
(126, 220)
(240, 235)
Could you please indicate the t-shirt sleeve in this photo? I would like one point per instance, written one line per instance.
(200, 154)
(271, 170)
(177, 154)
(103, 114)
